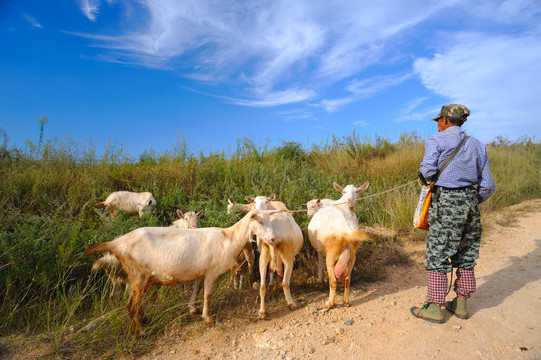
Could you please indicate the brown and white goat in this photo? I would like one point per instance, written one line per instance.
(334, 233)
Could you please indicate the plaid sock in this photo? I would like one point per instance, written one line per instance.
(436, 288)
(465, 282)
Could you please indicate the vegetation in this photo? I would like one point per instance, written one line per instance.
(47, 219)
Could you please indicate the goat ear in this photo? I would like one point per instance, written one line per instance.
(199, 213)
(180, 215)
(247, 198)
(318, 201)
(229, 201)
(337, 187)
(363, 187)
(272, 197)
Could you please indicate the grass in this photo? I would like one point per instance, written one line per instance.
(47, 219)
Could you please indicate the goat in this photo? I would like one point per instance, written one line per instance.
(169, 256)
(245, 260)
(128, 201)
(334, 233)
(112, 266)
(315, 204)
(346, 202)
(187, 220)
(289, 242)
(245, 208)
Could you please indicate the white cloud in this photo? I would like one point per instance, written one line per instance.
(32, 21)
(90, 8)
(497, 77)
(276, 98)
(311, 46)
(359, 89)
(361, 123)
(266, 45)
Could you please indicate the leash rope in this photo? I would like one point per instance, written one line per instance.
(358, 199)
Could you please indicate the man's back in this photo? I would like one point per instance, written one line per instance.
(469, 167)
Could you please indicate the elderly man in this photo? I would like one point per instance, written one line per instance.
(454, 234)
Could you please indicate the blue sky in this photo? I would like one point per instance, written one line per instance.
(142, 73)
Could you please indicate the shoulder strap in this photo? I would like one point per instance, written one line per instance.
(451, 157)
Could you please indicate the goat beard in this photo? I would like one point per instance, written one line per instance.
(341, 267)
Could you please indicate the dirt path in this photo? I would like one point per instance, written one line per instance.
(505, 313)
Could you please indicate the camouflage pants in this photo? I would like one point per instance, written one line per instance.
(454, 233)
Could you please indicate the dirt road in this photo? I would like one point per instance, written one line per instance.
(505, 312)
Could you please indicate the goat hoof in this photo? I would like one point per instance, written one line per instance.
(329, 305)
(193, 310)
(292, 306)
(209, 321)
(262, 316)
(347, 304)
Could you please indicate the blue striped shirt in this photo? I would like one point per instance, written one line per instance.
(469, 167)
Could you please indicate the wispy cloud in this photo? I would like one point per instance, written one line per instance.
(361, 123)
(278, 52)
(32, 21)
(90, 8)
(267, 46)
(359, 89)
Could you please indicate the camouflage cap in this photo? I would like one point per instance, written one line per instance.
(456, 111)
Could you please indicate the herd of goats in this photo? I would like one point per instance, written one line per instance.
(182, 252)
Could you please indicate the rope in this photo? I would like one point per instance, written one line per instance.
(355, 200)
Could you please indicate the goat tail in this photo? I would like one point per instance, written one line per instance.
(98, 249)
(358, 236)
(108, 261)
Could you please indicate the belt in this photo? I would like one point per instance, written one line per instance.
(443, 188)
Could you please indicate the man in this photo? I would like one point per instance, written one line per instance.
(454, 234)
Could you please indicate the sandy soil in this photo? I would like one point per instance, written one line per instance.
(505, 312)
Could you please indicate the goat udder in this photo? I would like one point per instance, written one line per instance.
(341, 268)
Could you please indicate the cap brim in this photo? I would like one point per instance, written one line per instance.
(437, 118)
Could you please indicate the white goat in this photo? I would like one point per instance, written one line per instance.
(349, 196)
(334, 233)
(128, 201)
(187, 220)
(245, 208)
(289, 242)
(169, 256)
(112, 266)
(316, 204)
(245, 260)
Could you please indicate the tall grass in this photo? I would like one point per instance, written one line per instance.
(47, 218)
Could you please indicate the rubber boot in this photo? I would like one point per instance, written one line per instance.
(429, 312)
(457, 307)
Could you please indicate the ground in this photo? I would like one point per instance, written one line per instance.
(504, 323)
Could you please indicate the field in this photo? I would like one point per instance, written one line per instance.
(47, 219)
